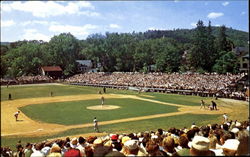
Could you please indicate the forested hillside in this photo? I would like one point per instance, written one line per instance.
(203, 49)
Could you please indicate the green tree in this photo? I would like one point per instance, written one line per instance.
(210, 54)
(64, 50)
(222, 42)
(24, 60)
(198, 51)
(226, 63)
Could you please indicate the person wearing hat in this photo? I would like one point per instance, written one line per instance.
(200, 147)
(96, 125)
(230, 147)
(99, 148)
(117, 146)
(131, 148)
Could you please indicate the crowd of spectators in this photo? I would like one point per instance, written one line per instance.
(191, 83)
(194, 82)
(27, 80)
(231, 138)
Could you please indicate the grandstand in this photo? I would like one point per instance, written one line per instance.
(159, 142)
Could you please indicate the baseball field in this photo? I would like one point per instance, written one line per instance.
(70, 111)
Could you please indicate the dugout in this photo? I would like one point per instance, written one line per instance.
(53, 71)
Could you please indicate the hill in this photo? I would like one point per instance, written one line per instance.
(239, 38)
(5, 43)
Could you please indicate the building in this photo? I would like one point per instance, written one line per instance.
(244, 63)
(243, 58)
(84, 65)
(52, 71)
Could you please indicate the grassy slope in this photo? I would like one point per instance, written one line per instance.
(78, 114)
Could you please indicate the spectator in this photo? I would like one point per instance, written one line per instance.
(38, 152)
(131, 148)
(200, 147)
(183, 146)
(28, 151)
(168, 145)
(230, 147)
(55, 151)
(81, 145)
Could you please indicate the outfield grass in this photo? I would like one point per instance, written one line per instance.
(180, 99)
(55, 112)
(75, 112)
(33, 91)
(165, 123)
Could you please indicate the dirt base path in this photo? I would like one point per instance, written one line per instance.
(29, 127)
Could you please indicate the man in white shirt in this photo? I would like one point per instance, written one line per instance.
(225, 118)
(16, 115)
(96, 125)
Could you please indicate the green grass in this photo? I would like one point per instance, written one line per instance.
(75, 112)
(165, 123)
(179, 99)
(55, 112)
(33, 91)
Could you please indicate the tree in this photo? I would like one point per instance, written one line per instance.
(24, 60)
(210, 54)
(222, 43)
(199, 51)
(226, 63)
(64, 50)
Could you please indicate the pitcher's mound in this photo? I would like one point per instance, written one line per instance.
(104, 107)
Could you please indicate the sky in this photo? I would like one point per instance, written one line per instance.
(41, 20)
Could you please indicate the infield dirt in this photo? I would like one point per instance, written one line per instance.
(28, 127)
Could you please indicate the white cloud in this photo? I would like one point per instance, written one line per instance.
(243, 13)
(49, 8)
(88, 13)
(225, 3)
(7, 23)
(151, 28)
(114, 26)
(154, 28)
(217, 25)
(193, 24)
(82, 31)
(214, 15)
(34, 22)
(33, 34)
(176, 1)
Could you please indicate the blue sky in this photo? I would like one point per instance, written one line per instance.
(41, 20)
